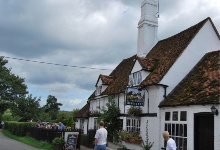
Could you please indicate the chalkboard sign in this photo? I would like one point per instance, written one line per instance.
(71, 141)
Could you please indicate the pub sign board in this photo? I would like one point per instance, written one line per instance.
(71, 142)
(134, 96)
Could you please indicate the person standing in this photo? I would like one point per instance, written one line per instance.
(61, 126)
(101, 137)
(171, 144)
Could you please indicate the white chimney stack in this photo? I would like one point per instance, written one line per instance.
(147, 27)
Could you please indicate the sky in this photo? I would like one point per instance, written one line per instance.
(82, 33)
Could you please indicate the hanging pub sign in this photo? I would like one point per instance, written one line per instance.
(134, 96)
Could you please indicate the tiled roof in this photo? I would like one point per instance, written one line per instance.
(82, 113)
(121, 75)
(200, 86)
(158, 61)
(166, 52)
(147, 63)
(106, 80)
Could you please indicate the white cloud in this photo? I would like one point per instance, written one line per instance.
(84, 33)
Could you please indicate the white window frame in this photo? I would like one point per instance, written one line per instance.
(98, 90)
(139, 78)
(133, 124)
(131, 82)
(174, 132)
(81, 124)
(135, 78)
(96, 123)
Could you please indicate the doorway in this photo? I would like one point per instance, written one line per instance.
(203, 131)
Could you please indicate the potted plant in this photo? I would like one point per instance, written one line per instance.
(137, 139)
(134, 111)
(58, 143)
(122, 135)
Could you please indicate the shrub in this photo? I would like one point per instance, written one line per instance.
(58, 141)
(134, 111)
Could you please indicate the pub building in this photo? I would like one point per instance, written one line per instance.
(174, 83)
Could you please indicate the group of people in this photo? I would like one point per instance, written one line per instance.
(101, 139)
(59, 126)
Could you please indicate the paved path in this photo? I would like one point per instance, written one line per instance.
(85, 148)
(10, 144)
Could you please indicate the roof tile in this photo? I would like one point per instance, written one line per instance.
(200, 86)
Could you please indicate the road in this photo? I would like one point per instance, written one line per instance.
(10, 144)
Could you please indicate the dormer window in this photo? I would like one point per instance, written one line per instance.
(135, 78)
(98, 90)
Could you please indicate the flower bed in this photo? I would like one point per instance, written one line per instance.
(133, 138)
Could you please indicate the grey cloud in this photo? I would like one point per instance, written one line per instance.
(87, 33)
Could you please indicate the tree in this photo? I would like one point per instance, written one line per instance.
(74, 112)
(70, 121)
(27, 107)
(11, 86)
(110, 116)
(52, 107)
(63, 117)
(7, 116)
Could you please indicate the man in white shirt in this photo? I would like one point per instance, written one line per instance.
(171, 144)
(101, 137)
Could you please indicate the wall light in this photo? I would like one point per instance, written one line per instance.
(214, 110)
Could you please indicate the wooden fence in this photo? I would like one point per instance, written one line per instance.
(49, 134)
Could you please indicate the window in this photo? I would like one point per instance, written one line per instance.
(96, 124)
(133, 125)
(135, 78)
(82, 124)
(177, 128)
(130, 80)
(167, 116)
(139, 78)
(98, 90)
(183, 116)
(175, 116)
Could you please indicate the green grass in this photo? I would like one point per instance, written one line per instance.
(29, 141)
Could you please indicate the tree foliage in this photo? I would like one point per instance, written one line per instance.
(74, 112)
(110, 116)
(7, 116)
(27, 107)
(52, 107)
(11, 86)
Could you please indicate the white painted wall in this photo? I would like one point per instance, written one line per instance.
(206, 40)
(77, 124)
(191, 110)
(137, 67)
(121, 102)
(85, 126)
(99, 82)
